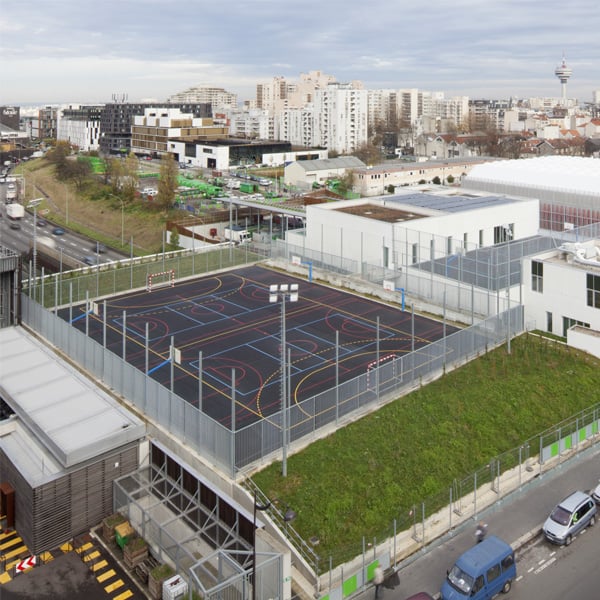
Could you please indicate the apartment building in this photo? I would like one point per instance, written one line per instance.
(218, 98)
(340, 123)
(80, 126)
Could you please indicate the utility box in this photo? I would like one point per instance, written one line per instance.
(174, 588)
(123, 533)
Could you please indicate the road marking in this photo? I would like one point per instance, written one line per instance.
(5, 578)
(124, 595)
(91, 556)
(547, 564)
(105, 576)
(114, 586)
(99, 565)
(83, 548)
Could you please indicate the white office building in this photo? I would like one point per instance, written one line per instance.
(561, 293)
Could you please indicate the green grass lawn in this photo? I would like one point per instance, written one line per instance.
(355, 482)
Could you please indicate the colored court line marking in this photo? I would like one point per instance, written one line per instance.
(5, 578)
(114, 586)
(99, 565)
(124, 595)
(105, 576)
(91, 556)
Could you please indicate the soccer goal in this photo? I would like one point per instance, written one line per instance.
(164, 279)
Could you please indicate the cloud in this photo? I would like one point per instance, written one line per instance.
(66, 49)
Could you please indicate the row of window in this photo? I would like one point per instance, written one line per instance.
(592, 283)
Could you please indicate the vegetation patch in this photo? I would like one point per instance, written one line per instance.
(355, 482)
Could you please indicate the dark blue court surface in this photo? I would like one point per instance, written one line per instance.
(229, 320)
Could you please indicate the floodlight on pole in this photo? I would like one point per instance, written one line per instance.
(283, 292)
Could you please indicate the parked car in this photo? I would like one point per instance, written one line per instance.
(596, 494)
(420, 596)
(58, 231)
(569, 517)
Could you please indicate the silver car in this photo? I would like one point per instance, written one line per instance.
(568, 518)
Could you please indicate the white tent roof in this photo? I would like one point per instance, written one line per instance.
(553, 173)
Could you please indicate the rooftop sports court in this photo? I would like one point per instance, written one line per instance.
(224, 327)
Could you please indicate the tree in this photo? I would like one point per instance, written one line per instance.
(167, 182)
(174, 239)
(369, 154)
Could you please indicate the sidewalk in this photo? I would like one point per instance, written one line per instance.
(517, 519)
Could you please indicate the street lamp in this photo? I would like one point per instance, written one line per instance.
(34, 204)
(289, 515)
(282, 292)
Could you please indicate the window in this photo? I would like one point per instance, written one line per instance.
(593, 290)
(507, 562)
(415, 254)
(549, 321)
(477, 585)
(568, 323)
(481, 237)
(493, 573)
(537, 276)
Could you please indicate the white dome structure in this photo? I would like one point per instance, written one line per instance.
(561, 180)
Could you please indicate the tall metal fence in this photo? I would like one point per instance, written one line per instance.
(462, 502)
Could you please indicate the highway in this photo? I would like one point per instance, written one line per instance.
(69, 244)
(544, 570)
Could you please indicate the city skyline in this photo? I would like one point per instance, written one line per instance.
(68, 51)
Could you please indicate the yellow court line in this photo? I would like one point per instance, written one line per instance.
(124, 595)
(105, 576)
(91, 556)
(114, 586)
(5, 578)
(99, 565)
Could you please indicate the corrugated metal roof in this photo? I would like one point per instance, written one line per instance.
(322, 164)
(73, 418)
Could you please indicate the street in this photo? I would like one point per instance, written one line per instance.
(543, 570)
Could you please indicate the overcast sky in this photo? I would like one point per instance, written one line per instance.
(55, 51)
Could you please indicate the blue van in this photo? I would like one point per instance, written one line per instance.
(481, 572)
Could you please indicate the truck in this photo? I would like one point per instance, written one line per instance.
(11, 196)
(237, 234)
(15, 211)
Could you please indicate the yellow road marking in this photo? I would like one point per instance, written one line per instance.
(4, 578)
(66, 547)
(124, 595)
(16, 552)
(99, 565)
(46, 557)
(105, 576)
(15, 540)
(114, 586)
(85, 547)
(91, 556)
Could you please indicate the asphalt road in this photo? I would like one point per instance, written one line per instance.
(544, 570)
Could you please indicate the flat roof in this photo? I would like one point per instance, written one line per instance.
(72, 418)
(452, 203)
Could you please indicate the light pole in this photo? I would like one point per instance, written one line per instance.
(34, 204)
(282, 292)
(289, 515)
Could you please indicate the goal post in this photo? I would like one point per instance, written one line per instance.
(162, 279)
